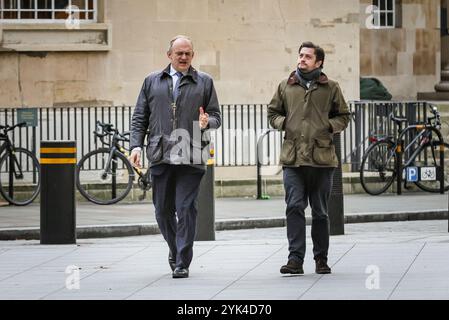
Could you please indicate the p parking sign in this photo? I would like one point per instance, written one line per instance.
(412, 174)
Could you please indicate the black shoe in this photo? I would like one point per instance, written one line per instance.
(180, 273)
(292, 267)
(321, 266)
(172, 261)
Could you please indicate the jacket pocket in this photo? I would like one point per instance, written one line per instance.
(323, 152)
(154, 149)
(288, 152)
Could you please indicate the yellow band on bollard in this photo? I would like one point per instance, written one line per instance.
(58, 155)
(442, 147)
(210, 162)
(58, 161)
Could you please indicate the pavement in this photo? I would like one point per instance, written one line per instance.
(94, 221)
(405, 256)
(372, 261)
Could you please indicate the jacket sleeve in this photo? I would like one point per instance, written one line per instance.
(339, 114)
(276, 110)
(140, 119)
(212, 106)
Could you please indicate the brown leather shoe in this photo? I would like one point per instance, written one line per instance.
(292, 267)
(321, 266)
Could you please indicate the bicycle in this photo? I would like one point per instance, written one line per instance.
(105, 176)
(19, 171)
(378, 169)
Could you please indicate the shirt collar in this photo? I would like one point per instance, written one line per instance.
(192, 73)
(173, 71)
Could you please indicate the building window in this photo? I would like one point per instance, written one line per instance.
(48, 10)
(384, 13)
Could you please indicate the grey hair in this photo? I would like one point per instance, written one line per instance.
(172, 41)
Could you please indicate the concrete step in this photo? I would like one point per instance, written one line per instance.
(247, 188)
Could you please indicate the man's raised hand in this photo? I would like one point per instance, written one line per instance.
(204, 119)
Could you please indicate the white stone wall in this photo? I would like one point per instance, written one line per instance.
(247, 46)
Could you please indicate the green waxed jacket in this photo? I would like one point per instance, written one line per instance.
(310, 118)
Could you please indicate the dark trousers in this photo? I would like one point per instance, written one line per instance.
(304, 185)
(175, 193)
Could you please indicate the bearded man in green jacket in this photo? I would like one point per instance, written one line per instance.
(311, 109)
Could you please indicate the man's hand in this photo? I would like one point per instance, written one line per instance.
(204, 119)
(134, 158)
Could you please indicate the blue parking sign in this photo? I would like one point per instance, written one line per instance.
(412, 174)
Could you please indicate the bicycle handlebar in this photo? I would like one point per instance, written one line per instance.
(109, 130)
(433, 110)
(436, 116)
(9, 128)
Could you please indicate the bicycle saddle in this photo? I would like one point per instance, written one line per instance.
(398, 120)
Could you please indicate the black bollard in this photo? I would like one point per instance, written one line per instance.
(336, 205)
(58, 206)
(205, 221)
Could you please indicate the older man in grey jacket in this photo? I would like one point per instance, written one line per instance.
(176, 107)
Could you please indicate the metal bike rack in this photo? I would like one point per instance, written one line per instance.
(11, 176)
(259, 149)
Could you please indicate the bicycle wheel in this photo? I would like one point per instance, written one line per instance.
(21, 185)
(96, 183)
(429, 158)
(378, 170)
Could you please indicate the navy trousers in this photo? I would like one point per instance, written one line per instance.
(175, 193)
(304, 185)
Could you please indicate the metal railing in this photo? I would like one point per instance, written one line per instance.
(371, 118)
(235, 143)
(67, 124)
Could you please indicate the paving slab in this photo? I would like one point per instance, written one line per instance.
(372, 261)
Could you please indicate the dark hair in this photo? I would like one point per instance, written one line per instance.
(319, 52)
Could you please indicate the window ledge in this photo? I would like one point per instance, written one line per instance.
(55, 37)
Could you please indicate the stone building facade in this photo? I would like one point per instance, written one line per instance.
(406, 58)
(247, 46)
